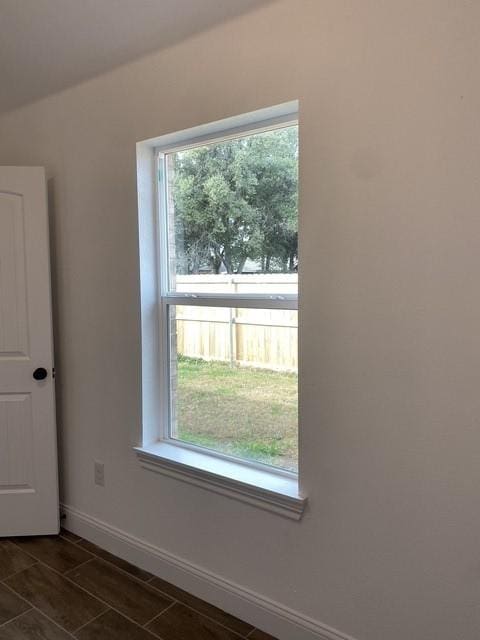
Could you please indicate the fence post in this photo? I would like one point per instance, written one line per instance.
(233, 328)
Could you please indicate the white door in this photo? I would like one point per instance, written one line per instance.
(28, 447)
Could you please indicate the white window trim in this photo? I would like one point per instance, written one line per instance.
(257, 484)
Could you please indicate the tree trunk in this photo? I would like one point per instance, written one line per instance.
(216, 262)
(195, 265)
(241, 265)
(228, 264)
(291, 263)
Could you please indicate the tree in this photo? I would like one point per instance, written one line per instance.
(273, 159)
(237, 200)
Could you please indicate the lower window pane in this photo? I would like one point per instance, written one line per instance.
(234, 382)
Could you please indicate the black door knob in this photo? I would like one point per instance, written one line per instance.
(40, 373)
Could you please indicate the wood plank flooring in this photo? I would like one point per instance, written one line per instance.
(63, 587)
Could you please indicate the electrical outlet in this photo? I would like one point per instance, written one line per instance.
(99, 473)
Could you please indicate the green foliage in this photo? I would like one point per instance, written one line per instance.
(237, 200)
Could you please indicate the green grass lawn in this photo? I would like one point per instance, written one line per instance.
(238, 410)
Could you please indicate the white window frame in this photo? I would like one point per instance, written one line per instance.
(267, 487)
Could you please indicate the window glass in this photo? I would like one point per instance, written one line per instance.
(232, 211)
(234, 381)
(231, 226)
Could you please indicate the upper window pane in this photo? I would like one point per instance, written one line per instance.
(233, 216)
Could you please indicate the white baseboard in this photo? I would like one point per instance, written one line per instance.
(261, 612)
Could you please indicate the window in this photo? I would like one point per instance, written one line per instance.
(226, 302)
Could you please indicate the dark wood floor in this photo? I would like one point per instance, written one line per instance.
(64, 587)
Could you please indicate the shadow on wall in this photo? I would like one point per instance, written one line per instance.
(54, 275)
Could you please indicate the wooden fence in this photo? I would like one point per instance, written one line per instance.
(265, 338)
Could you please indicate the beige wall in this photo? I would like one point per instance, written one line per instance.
(390, 255)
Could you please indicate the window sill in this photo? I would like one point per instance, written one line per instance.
(261, 488)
